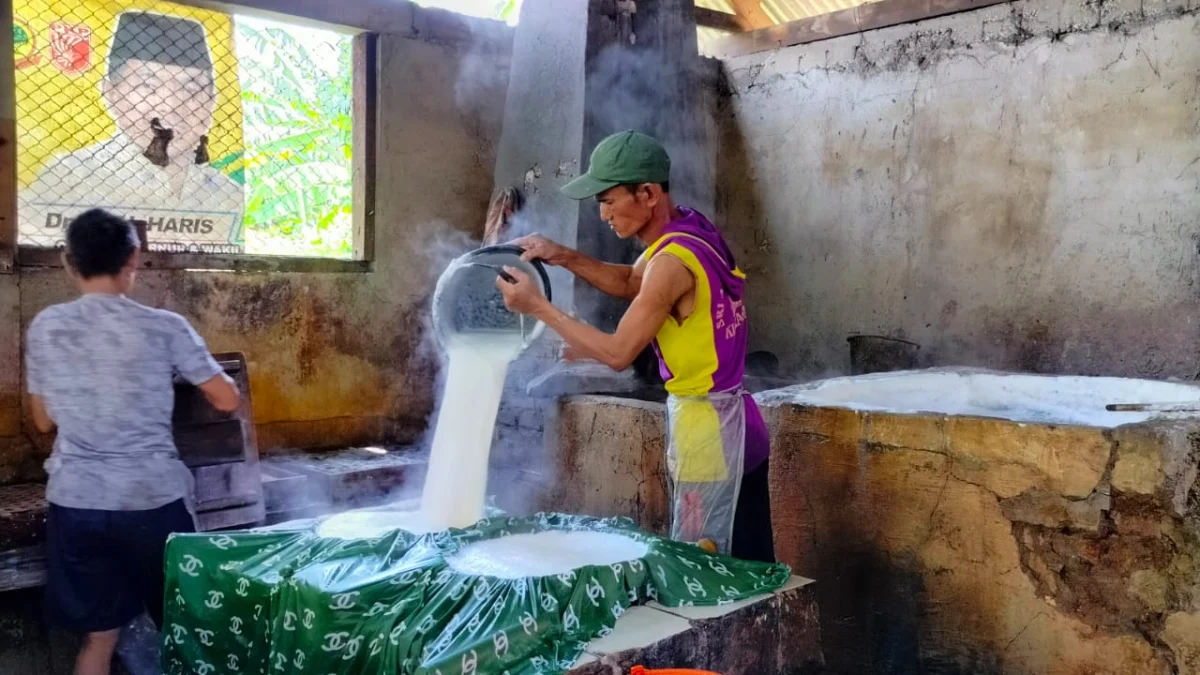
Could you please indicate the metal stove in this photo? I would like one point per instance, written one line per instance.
(221, 450)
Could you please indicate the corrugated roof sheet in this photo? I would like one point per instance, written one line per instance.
(780, 11)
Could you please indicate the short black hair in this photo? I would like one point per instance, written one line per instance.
(100, 243)
(632, 187)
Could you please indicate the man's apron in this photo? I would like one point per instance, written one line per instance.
(706, 439)
(702, 361)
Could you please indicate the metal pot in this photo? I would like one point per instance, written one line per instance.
(467, 302)
(878, 354)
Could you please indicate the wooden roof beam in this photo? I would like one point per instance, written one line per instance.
(751, 15)
(711, 18)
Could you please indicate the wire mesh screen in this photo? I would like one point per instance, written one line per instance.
(222, 134)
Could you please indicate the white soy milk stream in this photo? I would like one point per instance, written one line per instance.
(456, 484)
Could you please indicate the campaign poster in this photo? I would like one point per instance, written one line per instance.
(132, 106)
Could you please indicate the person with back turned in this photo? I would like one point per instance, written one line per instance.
(686, 291)
(101, 369)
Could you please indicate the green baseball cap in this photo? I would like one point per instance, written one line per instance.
(622, 159)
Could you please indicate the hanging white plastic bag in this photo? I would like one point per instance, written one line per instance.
(706, 439)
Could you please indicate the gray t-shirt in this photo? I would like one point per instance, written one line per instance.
(104, 365)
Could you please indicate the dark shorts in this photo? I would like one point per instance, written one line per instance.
(753, 537)
(106, 567)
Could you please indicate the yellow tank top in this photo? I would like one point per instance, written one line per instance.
(688, 349)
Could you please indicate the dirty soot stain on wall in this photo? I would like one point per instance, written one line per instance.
(335, 359)
(951, 544)
(1014, 187)
(324, 351)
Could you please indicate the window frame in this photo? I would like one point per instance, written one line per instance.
(364, 116)
(8, 143)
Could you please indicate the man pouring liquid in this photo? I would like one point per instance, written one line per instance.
(686, 292)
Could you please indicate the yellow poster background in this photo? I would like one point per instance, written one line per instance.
(59, 113)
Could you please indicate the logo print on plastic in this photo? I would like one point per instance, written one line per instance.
(595, 591)
(469, 665)
(216, 600)
(191, 566)
(335, 642)
(529, 623)
(205, 636)
(694, 587)
(223, 542)
(343, 601)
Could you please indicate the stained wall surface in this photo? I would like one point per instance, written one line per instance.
(951, 545)
(335, 359)
(1013, 187)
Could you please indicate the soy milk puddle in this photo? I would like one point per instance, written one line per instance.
(544, 553)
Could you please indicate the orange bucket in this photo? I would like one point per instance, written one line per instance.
(641, 670)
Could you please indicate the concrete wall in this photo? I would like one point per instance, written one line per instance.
(610, 460)
(581, 70)
(645, 74)
(541, 148)
(335, 359)
(1015, 187)
(962, 545)
(957, 546)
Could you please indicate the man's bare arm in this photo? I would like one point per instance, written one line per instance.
(666, 281)
(622, 281)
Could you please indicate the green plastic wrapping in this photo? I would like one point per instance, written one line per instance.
(296, 603)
